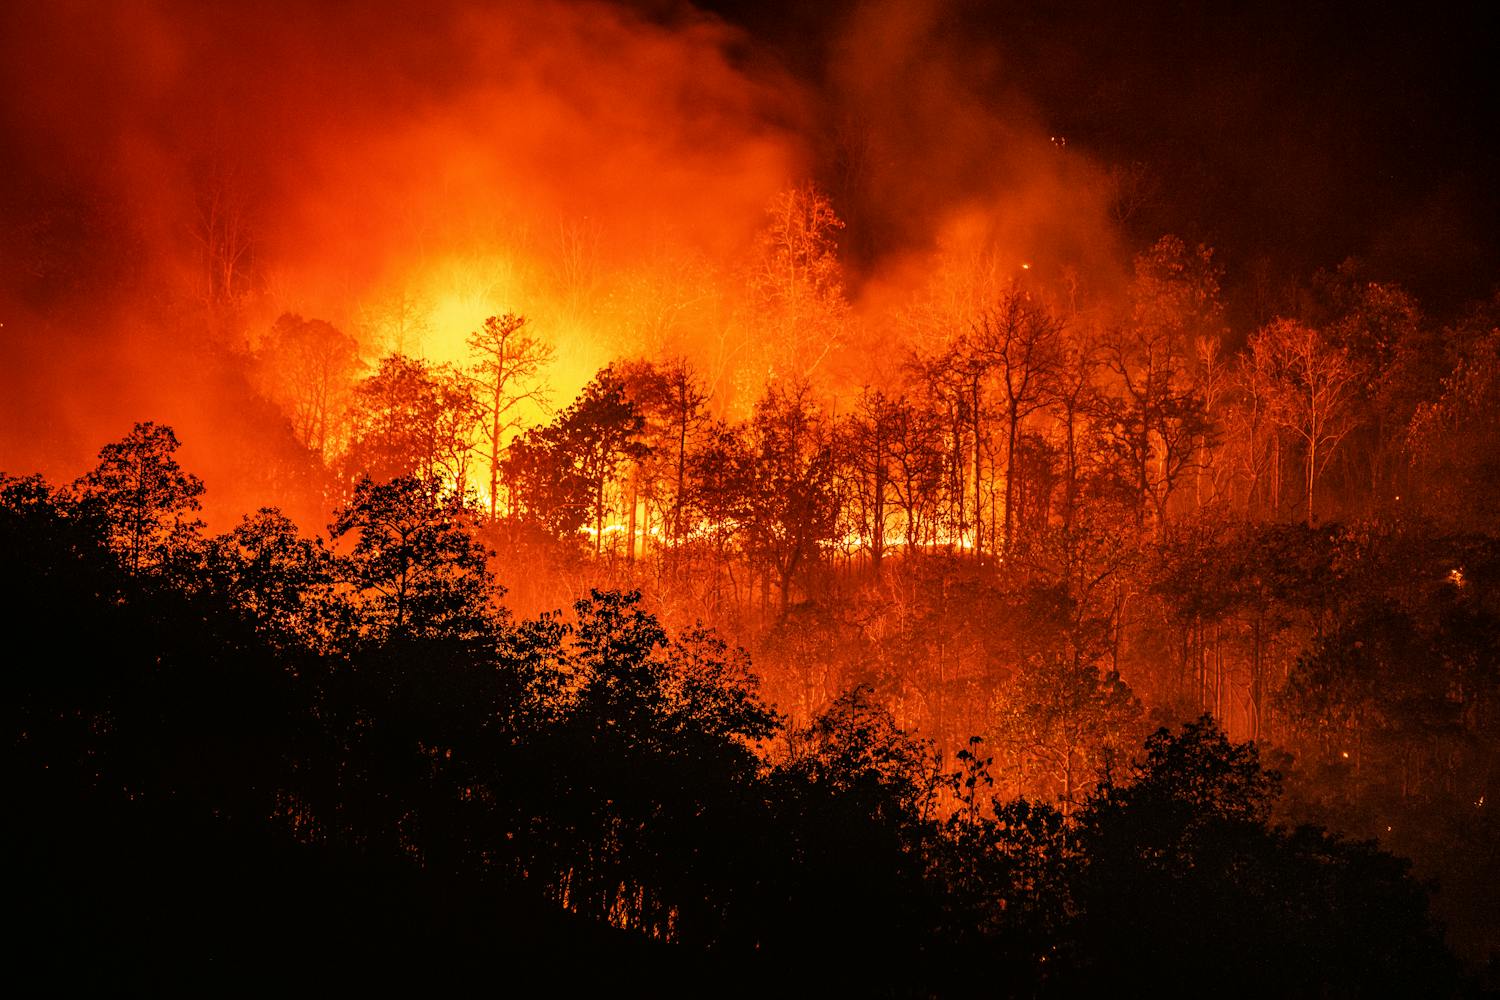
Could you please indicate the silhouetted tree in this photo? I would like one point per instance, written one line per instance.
(562, 474)
(506, 368)
(1022, 343)
(415, 566)
(145, 497)
(672, 405)
(394, 421)
(1181, 879)
(867, 440)
(276, 577)
(790, 510)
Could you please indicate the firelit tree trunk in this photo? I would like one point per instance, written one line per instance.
(877, 528)
(957, 487)
(633, 501)
(978, 472)
(1011, 428)
(599, 516)
(506, 363)
(681, 480)
(1257, 674)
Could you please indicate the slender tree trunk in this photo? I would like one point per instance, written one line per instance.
(1312, 471)
(1010, 480)
(1072, 490)
(1257, 674)
(494, 456)
(1275, 475)
(978, 496)
(682, 429)
(958, 478)
(635, 472)
(599, 518)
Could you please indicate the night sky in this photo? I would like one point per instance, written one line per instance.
(1301, 133)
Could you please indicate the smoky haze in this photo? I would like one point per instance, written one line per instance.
(182, 174)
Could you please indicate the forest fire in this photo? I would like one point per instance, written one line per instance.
(730, 488)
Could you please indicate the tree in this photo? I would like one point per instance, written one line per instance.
(633, 674)
(1374, 694)
(224, 228)
(796, 285)
(1255, 435)
(1157, 422)
(721, 504)
(1180, 880)
(601, 432)
(1382, 329)
(394, 417)
(915, 456)
(855, 748)
(853, 805)
(458, 414)
(948, 388)
(964, 371)
(273, 575)
(644, 714)
(506, 366)
(1063, 721)
(412, 419)
(1074, 401)
(397, 320)
(1314, 385)
(1454, 444)
(1174, 295)
(672, 403)
(561, 474)
(868, 438)
(415, 566)
(307, 366)
(144, 497)
(1022, 344)
(791, 509)
(547, 491)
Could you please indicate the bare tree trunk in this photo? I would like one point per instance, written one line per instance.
(1312, 458)
(635, 472)
(978, 496)
(1010, 479)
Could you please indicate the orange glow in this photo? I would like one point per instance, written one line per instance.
(604, 174)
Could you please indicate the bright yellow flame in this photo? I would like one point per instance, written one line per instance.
(461, 291)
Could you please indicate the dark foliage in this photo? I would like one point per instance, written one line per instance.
(260, 761)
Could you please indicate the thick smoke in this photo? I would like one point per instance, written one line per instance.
(183, 173)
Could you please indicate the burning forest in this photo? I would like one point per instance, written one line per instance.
(869, 498)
